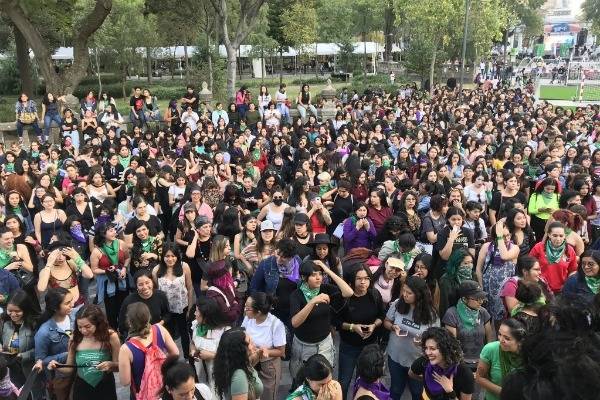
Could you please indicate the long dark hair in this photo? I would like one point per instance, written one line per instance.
(423, 312)
(54, 298)
(21, 299)
(175, 373)
(316, 368)
(94, 314)
(162, 267)
(232, 354)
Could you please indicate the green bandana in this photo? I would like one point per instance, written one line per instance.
(520, 306)
(201, 330)
(147, 244)
(593, 283)
(308, 293)
(112, 251)
(124, 161)
(553, 254)
(464, 274)
(6, 257)
(547, 196)
(467, 315)
(304, 392)
(17, 210)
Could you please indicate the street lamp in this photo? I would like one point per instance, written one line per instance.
(464, 49)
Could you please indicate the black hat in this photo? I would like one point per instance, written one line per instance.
(320, 238)
(301, 218)
(472, 289)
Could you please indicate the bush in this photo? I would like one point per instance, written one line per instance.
(159, 89)
(92, 80)
(314, 81)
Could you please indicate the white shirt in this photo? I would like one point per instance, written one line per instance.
(270, 333)
(191, 119)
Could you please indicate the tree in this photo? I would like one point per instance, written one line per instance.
(125, 29)
(300, 21)
(233, 37)
(276, 28)
(591, 11)
(78, 30)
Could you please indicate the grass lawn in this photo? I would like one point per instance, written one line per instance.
(7, 102)
(548, 92)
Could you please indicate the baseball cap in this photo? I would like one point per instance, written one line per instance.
(266, 226)
(472, 289)
(395, 262)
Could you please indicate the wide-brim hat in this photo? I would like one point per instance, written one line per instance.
(321, 238)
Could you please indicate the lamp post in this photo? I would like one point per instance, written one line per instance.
(464, 49)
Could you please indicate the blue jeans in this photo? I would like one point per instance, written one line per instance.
(140, 121)
(347, 362)
(34, 125)
(48, 118)
(399, 377)
(285, 113)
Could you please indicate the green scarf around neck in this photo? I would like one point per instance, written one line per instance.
(520, 306)
(304, 392)
(309, 293)
(112, 251)
(467, 315)
(553, 254)
(593, 283)
(201, 330)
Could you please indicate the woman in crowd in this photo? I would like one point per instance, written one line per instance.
(235, 377)
(243, 239)
(302, 235)
(469, 322)
(459, 269)
(542, 203)
(325, 251)
(316, 381)
(179, 384)
(109, 262)
(82, 208)
(520, 232)
(17, 331)
(557, 258)
(273, 210)
(528, 271)
(453, 236)
(311, 309)
(442, 368)
(388, 279)
(173, 277)
(496, 263)
(262, 248)
(155, 300)
(510, 191)
(147, 248)
(586, 282)
(378, 210)
(26, 116)
(197, 252)
(359, 323)
(359, 230)
(207, 329)
(141, 214)
(422, 267)
(95, 348)
(141, 335)
(221, 287)
(499, 358)
(269, 336)
(48, 222)
(52, 337)
(407, 209)
(407, 318)
(369, 375)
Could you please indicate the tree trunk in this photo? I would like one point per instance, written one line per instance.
(187, 61)
(68, 80)
(432, 71)
(231, 71)
(281, 67)
(98, 71)
(149, 63)
(210, 66)
(123, 81)
(23, 62)
(388, 30)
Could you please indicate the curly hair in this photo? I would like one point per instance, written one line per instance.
(232, 354)
(446, 343)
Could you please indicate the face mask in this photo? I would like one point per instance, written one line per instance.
(386, 163)
(77, 233)
(278, 202)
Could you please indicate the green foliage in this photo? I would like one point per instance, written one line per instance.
(200, 72)
(10, 81)
(591, 10)
(314, 81)
(276, 24)
(300, 20)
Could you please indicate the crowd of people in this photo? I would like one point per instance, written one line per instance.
(449, 241)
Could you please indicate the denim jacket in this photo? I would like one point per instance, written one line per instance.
(26, 343)
(51, 342)
(266, 277)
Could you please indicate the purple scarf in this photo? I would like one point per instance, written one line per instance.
(377, 388)
(290, 271)
(434, 388)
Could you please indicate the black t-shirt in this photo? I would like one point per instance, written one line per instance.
(157, 303)
(199, 263)
(137, 103)
(463, 380)
(283, 293)
(250, 199)
(317, 325)
(154, 225)
(363, 310)
(498, 203)
(189, 96)
(465, 239)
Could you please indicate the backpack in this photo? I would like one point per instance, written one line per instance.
(151, 382)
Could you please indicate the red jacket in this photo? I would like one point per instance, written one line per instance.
(555, 274)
